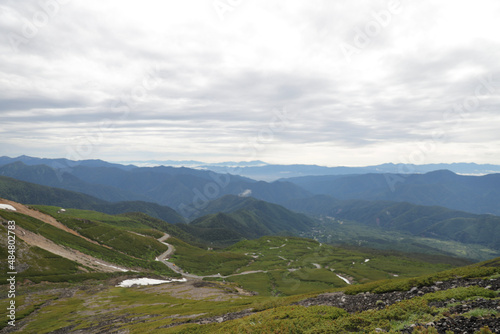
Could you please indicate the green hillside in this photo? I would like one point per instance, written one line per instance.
(25, 192)
(180, 188)
(129, 241)
(115, 242)
(283, 280)
(62, 178)
(384, 224)
(233, 218)
(36, 262)
(296, 265)
(204, 307)
(475, 194)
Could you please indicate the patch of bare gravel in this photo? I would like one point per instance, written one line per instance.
(34, 239)
(38, 240)
(44, 218)
(196, 290)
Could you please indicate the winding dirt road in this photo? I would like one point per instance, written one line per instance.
(163, 258)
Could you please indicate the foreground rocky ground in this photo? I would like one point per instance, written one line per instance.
(457, 323)
(457, 318)
(454, 322)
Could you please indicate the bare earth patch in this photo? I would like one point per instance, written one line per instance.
(34, 239)
(194, 289)
(45, 218)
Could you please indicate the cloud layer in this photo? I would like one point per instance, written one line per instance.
(334, 83)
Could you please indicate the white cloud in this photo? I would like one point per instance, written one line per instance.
(172, 80)
(246, 193)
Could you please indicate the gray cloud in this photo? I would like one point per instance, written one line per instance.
(175, 82)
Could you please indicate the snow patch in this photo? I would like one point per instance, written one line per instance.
(366, 260)
(146, 281)
(107, 265)
(7, 207)
(344, 279)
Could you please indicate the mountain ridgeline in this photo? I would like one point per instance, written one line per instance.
(222, 209)
(418, 220)
(233, 218)
(25, 192)
(475, 194)
(222, 222)
(187, 190)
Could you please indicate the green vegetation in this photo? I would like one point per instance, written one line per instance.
(281, 270)
(374, 223)
(135, 310)
(325, 319)
(277, 266)
(114, 246)
(203, 262)
(149, 309)
(230, 219)
(482, 312)
(345, 232)
(25, 192)
(34, 261)
(471, 271)
(132, 221)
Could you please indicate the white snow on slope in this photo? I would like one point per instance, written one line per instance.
(7, 207)
(146, 281)
(107, 265)
(344, 279)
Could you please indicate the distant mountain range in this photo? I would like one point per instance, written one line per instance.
(223, 209)
(278, 172)
(260, 170)
(61, 164)
(476, 194)
(222, 222)
(187, 190)
(30, 193)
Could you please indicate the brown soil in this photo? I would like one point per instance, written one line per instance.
(34, 239)
(38, 240)
(195, 289)
(44, 218)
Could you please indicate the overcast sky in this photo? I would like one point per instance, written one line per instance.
(315, 82)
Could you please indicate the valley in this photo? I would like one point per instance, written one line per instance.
(306, 262)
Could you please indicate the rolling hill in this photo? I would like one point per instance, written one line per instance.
(25, 192)
(48, 176)
(70, 265)
(476, 194)
(232, 218)
(431, 222)
(187, 190)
